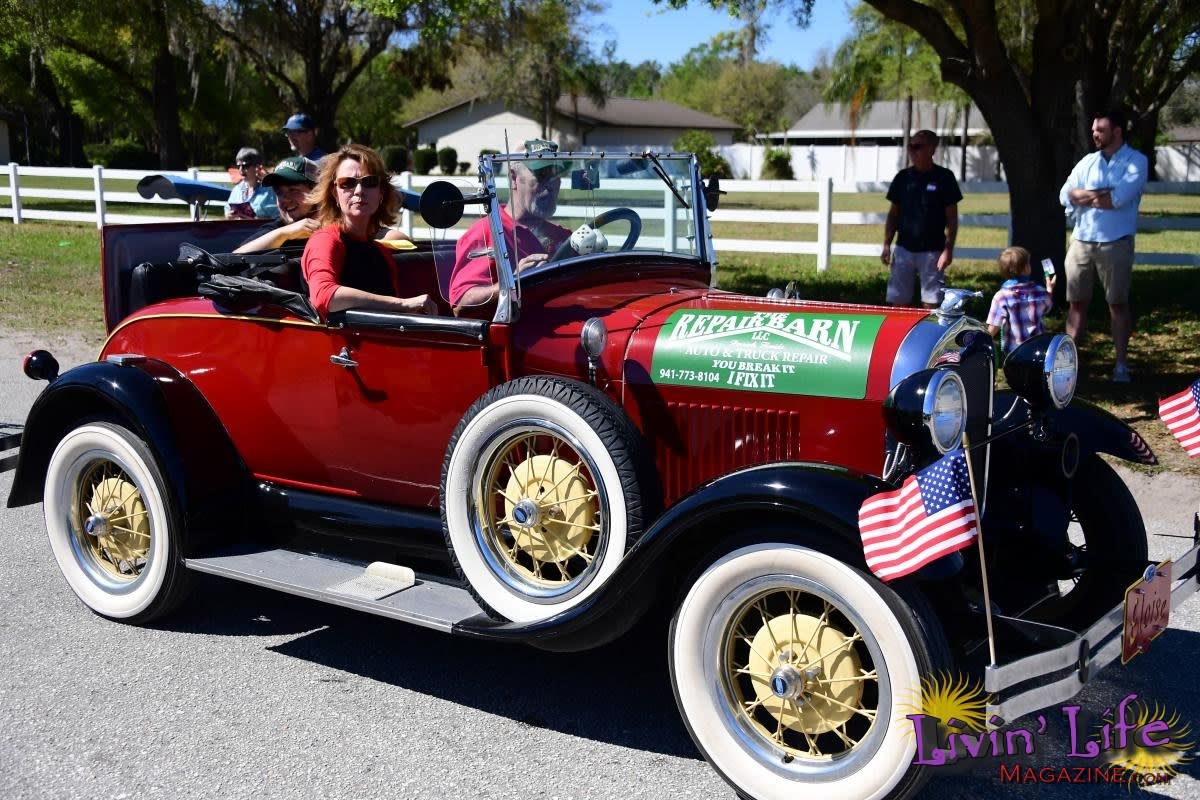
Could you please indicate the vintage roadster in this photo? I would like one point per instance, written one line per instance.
(608, 438)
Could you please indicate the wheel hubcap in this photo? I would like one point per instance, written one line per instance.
(800, 675)
(115, 523)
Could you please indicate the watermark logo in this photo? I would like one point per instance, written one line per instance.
(1135, 742)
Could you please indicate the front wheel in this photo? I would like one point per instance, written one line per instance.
(794, 671)
(113, 524)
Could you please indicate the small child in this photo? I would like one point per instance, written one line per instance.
(1020, 304)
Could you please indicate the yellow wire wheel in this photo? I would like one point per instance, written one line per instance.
(113, 521)
(541, 509)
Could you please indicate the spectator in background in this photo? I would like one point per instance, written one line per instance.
(249, 199)
(924, 210)
(343, 265)
(1021, 303)
(301, 133)
(292, 180)
(1104, 190)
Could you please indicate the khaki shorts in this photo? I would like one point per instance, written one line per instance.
(907, 267)
(1113, 261)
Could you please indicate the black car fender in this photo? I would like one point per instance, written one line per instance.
(1096, 430)
(207, 477)
(814, 504)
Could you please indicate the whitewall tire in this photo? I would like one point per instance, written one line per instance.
(794, 671)
(113, 525)
(541, 496)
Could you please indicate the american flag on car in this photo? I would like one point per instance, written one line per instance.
(1181, 414)
(931, 515)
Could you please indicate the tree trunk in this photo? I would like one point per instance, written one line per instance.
(164, 91)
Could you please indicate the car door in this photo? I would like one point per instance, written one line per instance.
(402, 382)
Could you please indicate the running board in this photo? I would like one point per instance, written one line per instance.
(427, 603)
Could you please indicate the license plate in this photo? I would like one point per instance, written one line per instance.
(1147, 610)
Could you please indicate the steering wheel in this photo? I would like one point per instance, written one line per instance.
(612, 215)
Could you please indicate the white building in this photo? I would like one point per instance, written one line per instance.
(620, 124)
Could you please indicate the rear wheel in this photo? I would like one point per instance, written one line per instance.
(113, 525)
(793, 672)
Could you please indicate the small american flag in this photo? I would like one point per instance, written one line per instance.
(930, 515)
(1180, 413)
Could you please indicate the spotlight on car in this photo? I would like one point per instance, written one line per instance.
(1044, 370)
(592, 338)
(928, 408)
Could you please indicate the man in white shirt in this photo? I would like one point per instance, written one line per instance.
(1104, 189)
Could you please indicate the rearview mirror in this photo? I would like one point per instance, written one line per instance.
(442, 204)
(712, 193)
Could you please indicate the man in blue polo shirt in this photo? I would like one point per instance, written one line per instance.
(1104, 190)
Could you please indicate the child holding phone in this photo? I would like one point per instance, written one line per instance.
(1021, 304)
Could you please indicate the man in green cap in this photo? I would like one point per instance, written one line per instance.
(292, 180)
(533, 199)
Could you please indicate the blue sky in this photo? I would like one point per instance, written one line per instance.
(646, 31)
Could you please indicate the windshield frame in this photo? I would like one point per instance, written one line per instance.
(508, 306)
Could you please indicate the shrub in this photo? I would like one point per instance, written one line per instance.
(424, 160)
(464, 167)
(395, 158)
(777, 165)
(447, 159)
(702, 144)
(120, 154)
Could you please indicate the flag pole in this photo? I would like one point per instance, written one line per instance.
(987, 598)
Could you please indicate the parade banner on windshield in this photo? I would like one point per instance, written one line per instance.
(811, 354)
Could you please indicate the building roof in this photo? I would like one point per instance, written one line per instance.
(1183, 135)
(882, 120)
(624, 112)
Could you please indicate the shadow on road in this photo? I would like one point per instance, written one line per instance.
(618, 694)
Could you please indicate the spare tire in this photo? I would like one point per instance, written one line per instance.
(545, 485)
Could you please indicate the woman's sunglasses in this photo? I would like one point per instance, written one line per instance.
(350, 184)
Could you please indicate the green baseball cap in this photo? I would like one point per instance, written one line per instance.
(545, 168)
(294, 169)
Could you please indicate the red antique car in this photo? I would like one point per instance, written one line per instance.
(605, 434)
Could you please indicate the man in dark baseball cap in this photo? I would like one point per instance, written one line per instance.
(301, 133)
(292, 180)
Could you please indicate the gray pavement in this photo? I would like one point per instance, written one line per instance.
(250, 694)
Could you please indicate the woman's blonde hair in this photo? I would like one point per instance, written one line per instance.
(1013, 261)
(323, 197)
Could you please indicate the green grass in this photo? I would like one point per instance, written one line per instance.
(50, 277)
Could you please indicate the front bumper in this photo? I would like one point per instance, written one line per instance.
(1059, 672)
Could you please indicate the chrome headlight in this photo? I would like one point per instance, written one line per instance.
(1044, 370)
(1062, 370)
(928, 408)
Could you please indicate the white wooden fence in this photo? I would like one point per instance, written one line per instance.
(824, 218)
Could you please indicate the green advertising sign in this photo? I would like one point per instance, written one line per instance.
(765, 351)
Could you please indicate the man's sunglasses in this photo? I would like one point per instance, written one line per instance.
(245, 165)
(916, 146)
(367, 181)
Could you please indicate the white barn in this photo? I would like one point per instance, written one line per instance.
(621, 123)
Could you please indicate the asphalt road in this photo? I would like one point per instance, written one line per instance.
(250, 694)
